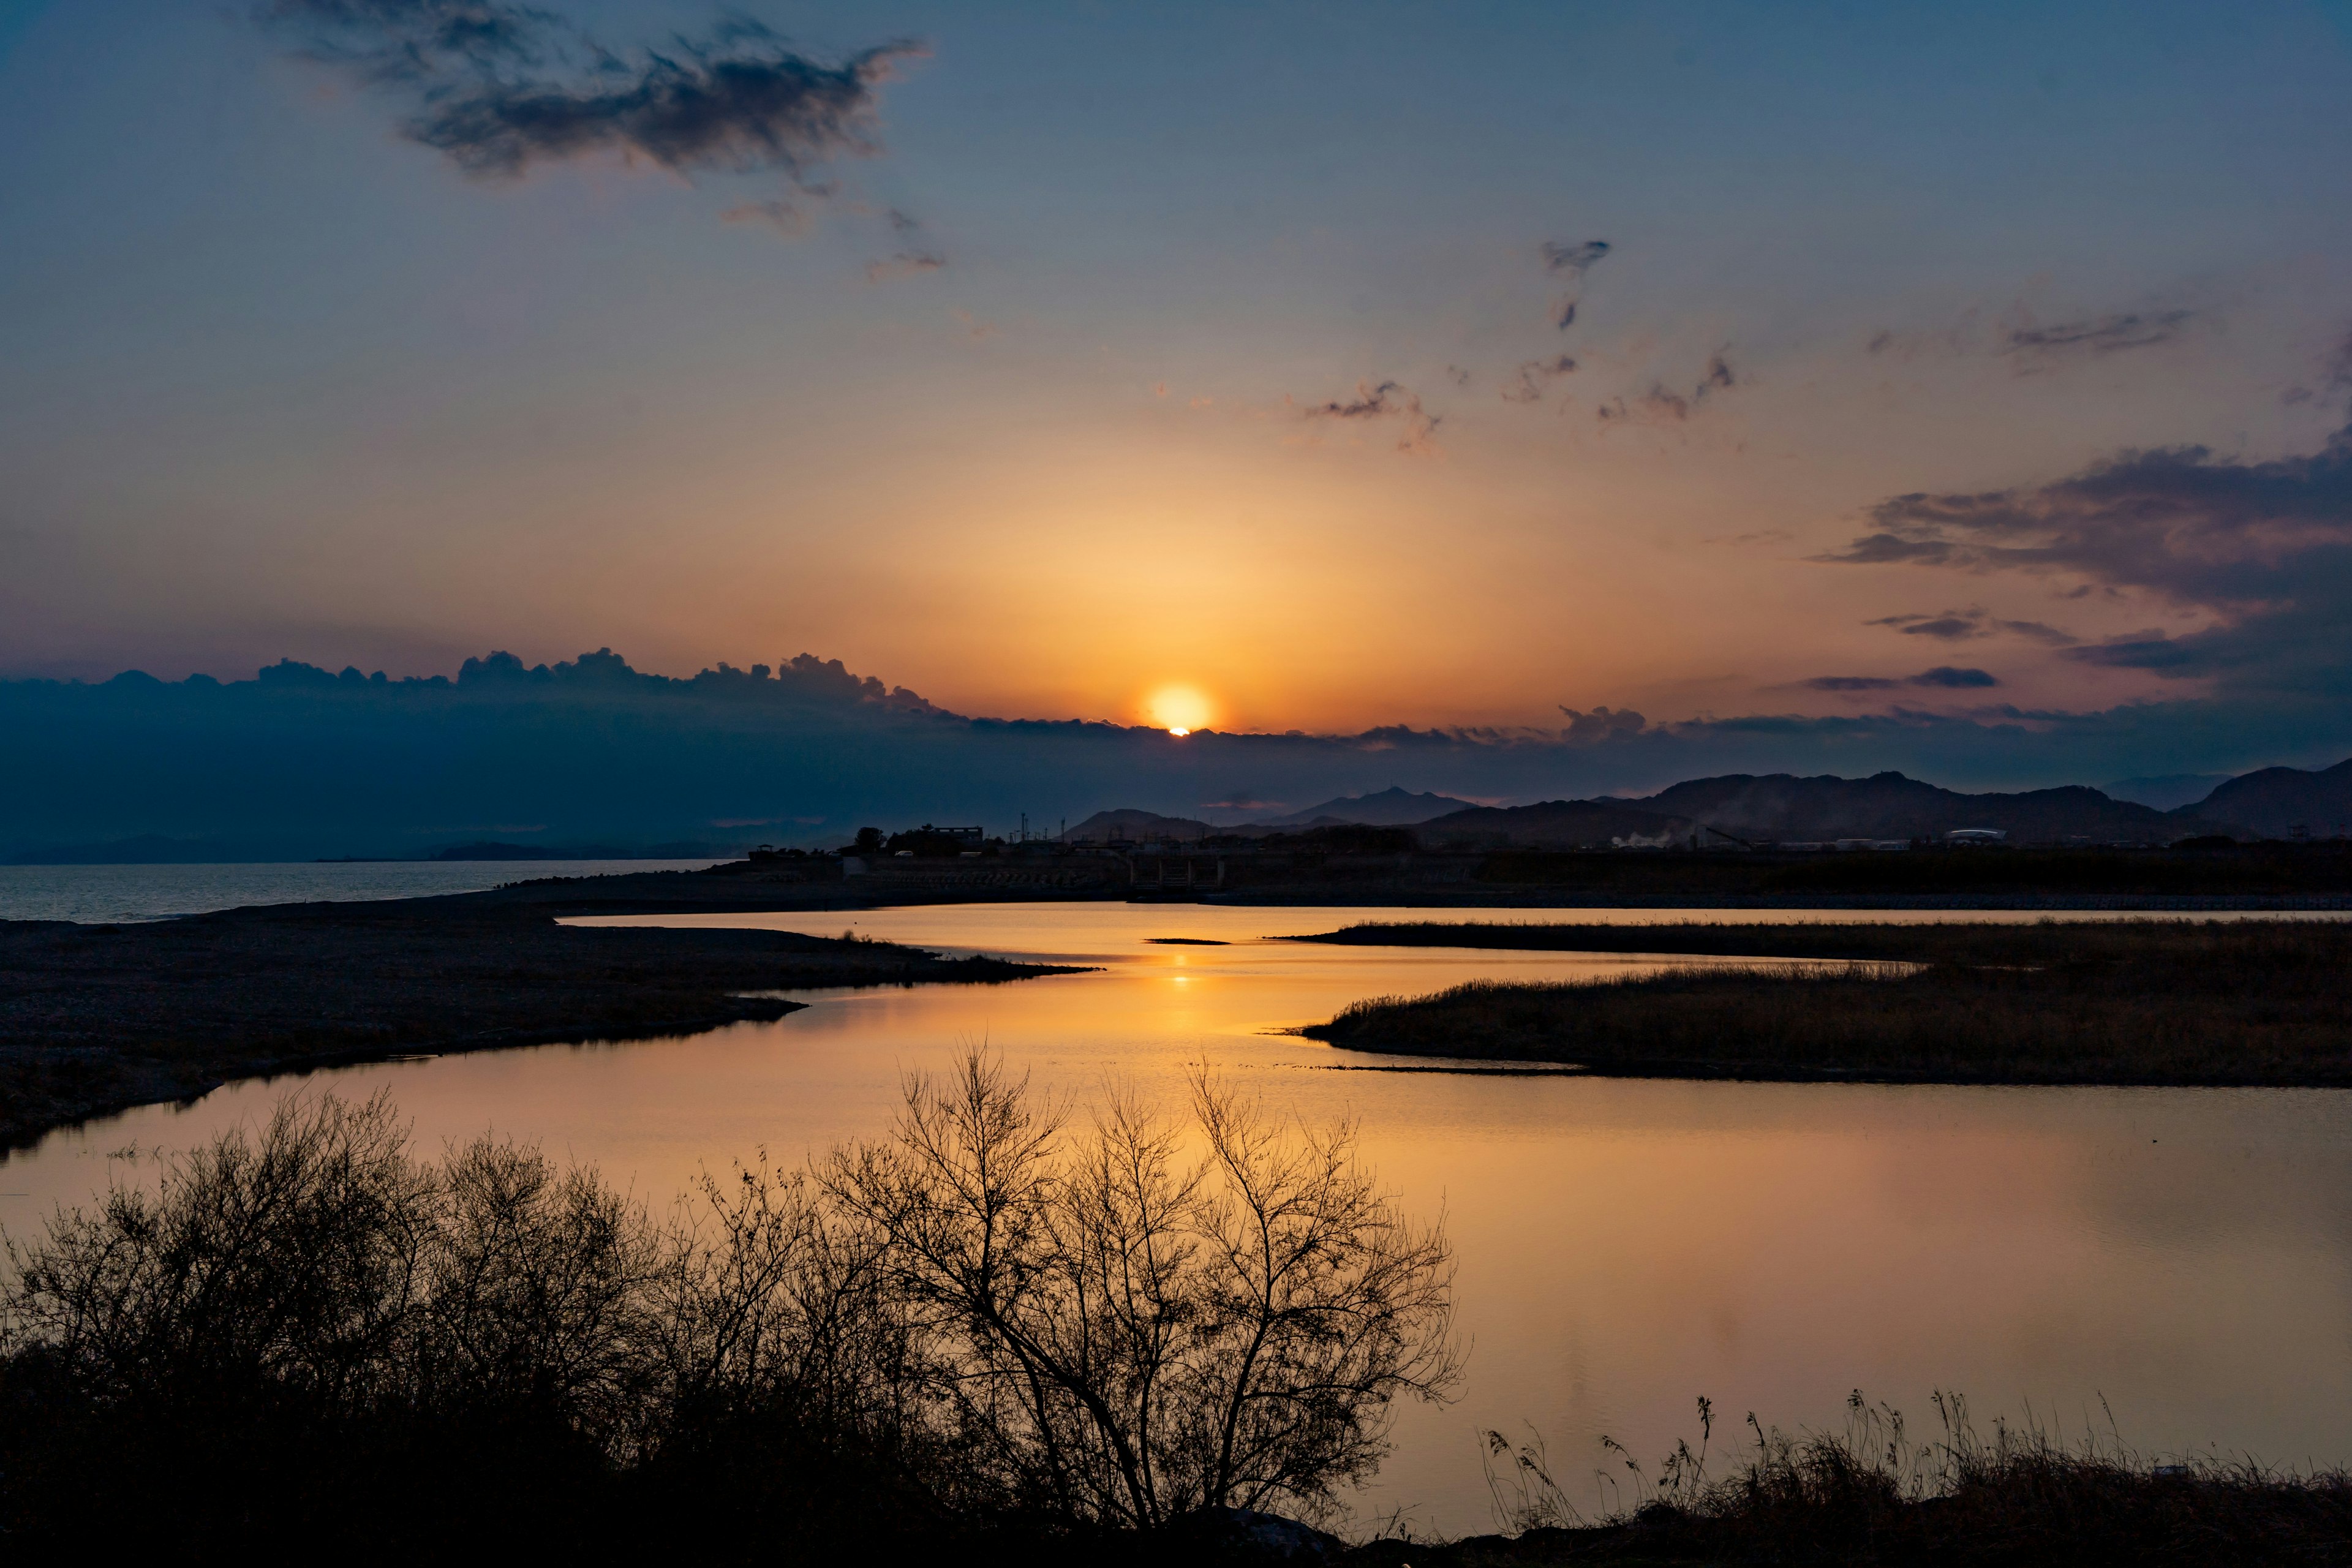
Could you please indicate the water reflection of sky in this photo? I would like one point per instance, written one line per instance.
(1625, 1246)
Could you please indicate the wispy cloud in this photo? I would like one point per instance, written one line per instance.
(1960, 625)
(2334, 378)
(1386, 401)
(1663, 405)
(1535, 378)
(1570, 262)
(906, 264)
(916, 255)
(2095, 335)
(2031, 345)
(787, 218)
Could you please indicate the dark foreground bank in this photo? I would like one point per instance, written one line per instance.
(996, 1333)
(94, 1019)
(312, 1340)
(1870, 1495)
(2159, 1002)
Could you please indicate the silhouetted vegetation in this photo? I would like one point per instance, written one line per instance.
(2122, 1002)
(989, 1326)
(1871, 1495)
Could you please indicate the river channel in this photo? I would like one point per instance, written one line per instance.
(2179, 1258)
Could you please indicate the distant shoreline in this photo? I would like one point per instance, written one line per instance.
(97, 1018)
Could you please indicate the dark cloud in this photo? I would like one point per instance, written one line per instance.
(1388, 400)
(2216, 532)
(418, 40)
(1948, 629)
(1572, 262)
(1943, 676)
(2262, 548)
(1662, 405)
(1601, 724)
(1955, 625)
(735, 109)
(2155, 649)
(500, 90)
(1535, 378)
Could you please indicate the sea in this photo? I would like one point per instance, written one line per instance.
(103, 894)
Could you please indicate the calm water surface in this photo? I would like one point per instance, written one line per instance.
(1625, 1246)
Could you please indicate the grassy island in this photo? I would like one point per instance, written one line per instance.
(2140, 1001)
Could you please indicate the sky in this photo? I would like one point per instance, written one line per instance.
(1343, 365)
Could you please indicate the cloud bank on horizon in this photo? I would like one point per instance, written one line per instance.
(2012, 448)
(299, 762)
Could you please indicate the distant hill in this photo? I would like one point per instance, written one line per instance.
(1783, 808)
(1132, 825)
(2165, 791)
(1392, 808)
(2273, 802)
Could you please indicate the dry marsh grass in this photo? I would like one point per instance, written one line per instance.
(2185, 1002)
(1872, 1494)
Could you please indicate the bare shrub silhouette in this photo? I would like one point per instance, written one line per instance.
(1128, 1335)
(982, 1322)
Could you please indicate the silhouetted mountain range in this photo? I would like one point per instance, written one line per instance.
(2273, 802)
(1889, 806)
(1781, 808)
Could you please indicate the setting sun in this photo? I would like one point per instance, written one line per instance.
(1179, 710)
